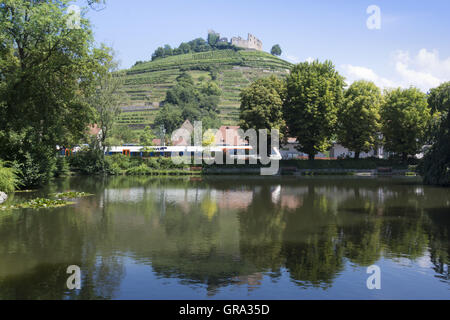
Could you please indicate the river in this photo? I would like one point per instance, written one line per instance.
(226, 237)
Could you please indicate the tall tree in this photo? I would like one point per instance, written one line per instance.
(405, 116)
(276, 50)
(213, 38)
(436, 165)
(314, 96)
(359, 118)
(105, 99)
(262, 105)
(47, 69)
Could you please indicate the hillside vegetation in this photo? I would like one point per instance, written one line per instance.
(146, 84)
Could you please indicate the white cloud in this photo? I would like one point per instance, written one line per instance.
(353, 73)
(424, 70)
(295, 59)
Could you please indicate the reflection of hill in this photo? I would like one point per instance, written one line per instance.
(221, 232)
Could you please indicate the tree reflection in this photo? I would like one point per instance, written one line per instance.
(219, 233)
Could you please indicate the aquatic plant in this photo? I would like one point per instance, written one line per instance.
(71, 195)
(38, 203)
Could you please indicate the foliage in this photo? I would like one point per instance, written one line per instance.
(105, 99)
(146, 137)
(72, 195)
(48, 70)
(38, 203)
(359, 118)
(405, 116)
(436, 164)
(262, 105)
(439, 98)
(62, 167)
(314, 96)
(88, 161)
(186, 101)
(196, 45)
(9, 180)
(122, 134)
(276, 50)
(170, 117)
(213, 39)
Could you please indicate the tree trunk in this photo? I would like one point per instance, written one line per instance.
(357, 153)
(311, 157)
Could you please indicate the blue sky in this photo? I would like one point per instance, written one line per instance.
(411, 48)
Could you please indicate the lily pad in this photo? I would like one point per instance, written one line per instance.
(71, 195)
(38, 203)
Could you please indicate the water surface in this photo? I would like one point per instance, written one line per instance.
(230, 238)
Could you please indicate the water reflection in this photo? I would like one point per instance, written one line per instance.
(222, 232)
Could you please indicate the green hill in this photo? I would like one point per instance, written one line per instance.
(146, 84)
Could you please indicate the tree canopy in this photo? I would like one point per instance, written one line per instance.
(188, 101)
(48, 70)
(359, 117)
(314, 96)
(262, 105)
(276, 50)
(405, 116)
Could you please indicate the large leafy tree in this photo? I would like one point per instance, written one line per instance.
(436, 165)
(276, 50)
(47, 71)
(262, 105)
(359, 118)
(405, 116)
(314, 96)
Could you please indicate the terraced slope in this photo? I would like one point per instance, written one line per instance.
(146, 84)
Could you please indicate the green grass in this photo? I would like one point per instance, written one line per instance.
(147, 83)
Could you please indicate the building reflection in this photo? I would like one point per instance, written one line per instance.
(222, 233)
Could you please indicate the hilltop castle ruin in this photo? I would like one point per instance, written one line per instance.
(252, 42)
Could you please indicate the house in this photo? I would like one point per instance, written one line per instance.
(229, 136)
(183, 135)
(338, 151)
(289, 150)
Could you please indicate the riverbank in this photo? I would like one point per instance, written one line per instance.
(165, 166)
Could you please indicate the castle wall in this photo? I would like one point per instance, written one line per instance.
(251, 43)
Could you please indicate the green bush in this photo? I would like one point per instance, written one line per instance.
(36, 169)
(140, 170)
(119, 162)
(88, 161)
(9, 180)
(62, 167)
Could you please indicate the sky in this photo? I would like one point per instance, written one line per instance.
(411, 47)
